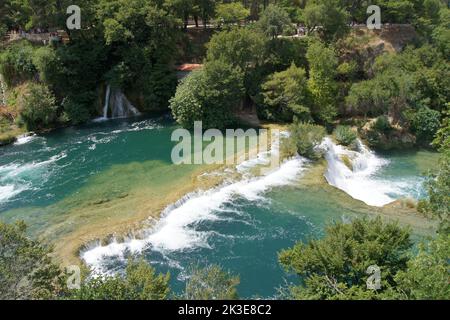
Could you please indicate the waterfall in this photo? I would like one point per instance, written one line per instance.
(117, 102)
(353, 172)
(106, 106)
(121, 107)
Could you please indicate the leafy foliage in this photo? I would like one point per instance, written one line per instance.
(211, 283)
(231, 13)
(274, 21)
(140, 282)
(335, 267)
(345, 135)
(322, 63)
(38, 107)
(304, 139)
(209, 95)
(326, 17)
(426, 123)
(426, 277)
(26, 268)
(16, 63)
(286, 95)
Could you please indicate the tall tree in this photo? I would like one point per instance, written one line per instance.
(322, 85)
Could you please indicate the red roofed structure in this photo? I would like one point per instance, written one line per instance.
(189, 67)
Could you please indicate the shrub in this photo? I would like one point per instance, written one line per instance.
(16, 63)
(140, 282)
(77, 108)
(426, 122)
(305, 138)
(382, 125)
(45, 61)
(334, 267)
(345, 135)
(26, 267)
(38, 107)
(211, 283)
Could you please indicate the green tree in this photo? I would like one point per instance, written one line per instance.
(211, 283)
(425, 124)
(241, 48)
(26, 267)
(16, 63)
(441, 33)
(140, 282)
(274, 21)
(285, 95)
(231, 13)
(335, 267)
(210, 95)
(38, 107)
(322, 85)
(326, 17)
(426, 277)
(437, 204)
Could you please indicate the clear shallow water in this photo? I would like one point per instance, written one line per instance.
(42, 170)
(241, 226)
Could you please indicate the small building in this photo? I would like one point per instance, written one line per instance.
(184, 69)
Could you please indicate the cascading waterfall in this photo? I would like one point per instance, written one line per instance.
(117, 102)
(176, 230)
(353, 172)
(106, 106)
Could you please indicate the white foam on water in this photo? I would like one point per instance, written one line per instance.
(16, 178)
(9, 191)
(175, 231)
(359, 181)
(24, 139)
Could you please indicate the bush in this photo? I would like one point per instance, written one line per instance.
(45, 61)
(140, 282)
(16, 63)
(382, 125)
(345, 135)
(426, 122)
(305, 138)
(26, 267)
(77, 108)
(211, 283)
(38, 107)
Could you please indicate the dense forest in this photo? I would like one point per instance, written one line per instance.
(309, 63)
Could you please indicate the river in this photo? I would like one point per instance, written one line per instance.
(75, 182)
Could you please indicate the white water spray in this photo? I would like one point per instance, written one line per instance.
(356, 177)
(176, 230)
(117, 102)
(106, 106)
